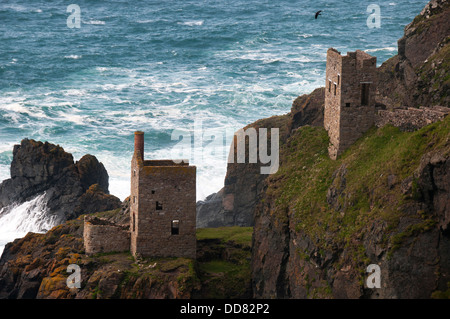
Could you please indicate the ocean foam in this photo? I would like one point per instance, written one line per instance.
(389, 49)
(73, 56)
(192, 23)
(94, 22)
(17, 220)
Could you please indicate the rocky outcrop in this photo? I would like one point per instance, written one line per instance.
(319, 224)
(234, 204)
(418, 75)
(307, 109)
(210, 212)
(70, 188)
(91, 172)
(425, 33)
(432, 180)
(36, 267)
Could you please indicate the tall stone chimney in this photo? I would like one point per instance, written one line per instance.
(139, 143)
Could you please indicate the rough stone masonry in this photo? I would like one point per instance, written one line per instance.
(349, 98)
(162, 211)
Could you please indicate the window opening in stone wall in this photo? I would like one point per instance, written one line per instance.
(153, 192)
(134, 199)
(347, 104)
(335, 87)
(339, 79)
(175, 227)
(134, 172)
(329, 85)
(134, 222)
(159, 206)
(365, 93)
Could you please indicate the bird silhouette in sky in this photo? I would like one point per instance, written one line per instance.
(318, 13)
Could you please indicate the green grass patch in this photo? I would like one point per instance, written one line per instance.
(225, 280)
(239, 235)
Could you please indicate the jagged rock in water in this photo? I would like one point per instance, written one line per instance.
(39, 168)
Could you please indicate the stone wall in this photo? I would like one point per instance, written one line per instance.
(101, 236)
(410, 119)
(333, 100)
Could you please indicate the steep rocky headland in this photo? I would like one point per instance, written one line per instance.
(319, 223)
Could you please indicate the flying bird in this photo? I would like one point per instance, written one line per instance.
(318, 13)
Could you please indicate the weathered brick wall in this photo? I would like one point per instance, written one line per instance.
(345, 118)
(161, 195)
(101, 236)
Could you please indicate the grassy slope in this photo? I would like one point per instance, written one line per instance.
(306, 173)
(226, 271)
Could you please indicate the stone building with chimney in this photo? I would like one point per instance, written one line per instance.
(162, 211)
(162, 205)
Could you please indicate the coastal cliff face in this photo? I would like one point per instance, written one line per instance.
(234, 204)
(319, 223)
(36, 267)
(419, 74)
(70, 188)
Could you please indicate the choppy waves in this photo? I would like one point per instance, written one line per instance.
(164, 66)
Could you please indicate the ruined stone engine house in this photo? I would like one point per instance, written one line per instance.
(162, 211)
(349, 98)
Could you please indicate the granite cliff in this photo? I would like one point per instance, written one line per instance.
(419, 74)
(319, 223)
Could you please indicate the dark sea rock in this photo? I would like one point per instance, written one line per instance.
(39, 168)
(234, 204)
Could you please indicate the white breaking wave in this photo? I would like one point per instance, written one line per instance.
(96, 22)
(19, 8)
(192, 23)
(17, 220)
(73, 56)
(390, 49)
